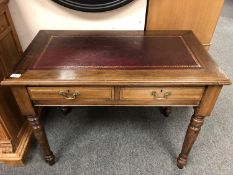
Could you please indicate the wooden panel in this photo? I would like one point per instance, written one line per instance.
(162, 93)
(10, 118)
(17, 158)
(7, 113)
(2, 133)
(8, 53)
(15, 36)
(3, 23)
(198, 15)
(54, 93)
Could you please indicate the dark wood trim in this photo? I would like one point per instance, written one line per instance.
(146, 16)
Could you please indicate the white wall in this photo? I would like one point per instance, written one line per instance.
(30, 16)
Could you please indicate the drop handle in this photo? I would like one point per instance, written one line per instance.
(69, 95)
(164, 96)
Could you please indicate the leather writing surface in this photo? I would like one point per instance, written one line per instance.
(115, 52)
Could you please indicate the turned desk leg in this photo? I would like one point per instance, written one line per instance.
(65, 110)
(191, 136)
(204, 109)
(39, 133)
(166, 111)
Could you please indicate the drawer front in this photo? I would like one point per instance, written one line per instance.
(71, 93)
(162, 93)
(3, 23)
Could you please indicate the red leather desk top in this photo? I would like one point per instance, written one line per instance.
(115, 52)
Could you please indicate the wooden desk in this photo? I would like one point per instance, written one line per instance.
(156, 68)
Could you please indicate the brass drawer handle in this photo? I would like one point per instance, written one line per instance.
(68, 95)
(165, 95)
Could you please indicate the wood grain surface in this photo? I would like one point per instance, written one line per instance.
(201, 16)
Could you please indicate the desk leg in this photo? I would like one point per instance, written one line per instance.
(166, 111)
(191, 136)
(205, 108)
(65, 110)
(40, 135)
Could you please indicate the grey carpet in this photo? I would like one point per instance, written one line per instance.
(228, 9)
(133, 141)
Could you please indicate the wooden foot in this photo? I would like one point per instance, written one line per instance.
(40, 135)
(191, 136)
(65, 110)
(166, 111)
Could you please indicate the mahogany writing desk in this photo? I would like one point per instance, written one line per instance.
(157, 68)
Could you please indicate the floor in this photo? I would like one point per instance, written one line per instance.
(140, 141)
(228, 9)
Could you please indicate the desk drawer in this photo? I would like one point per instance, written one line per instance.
(162, 93)
(71, 93)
